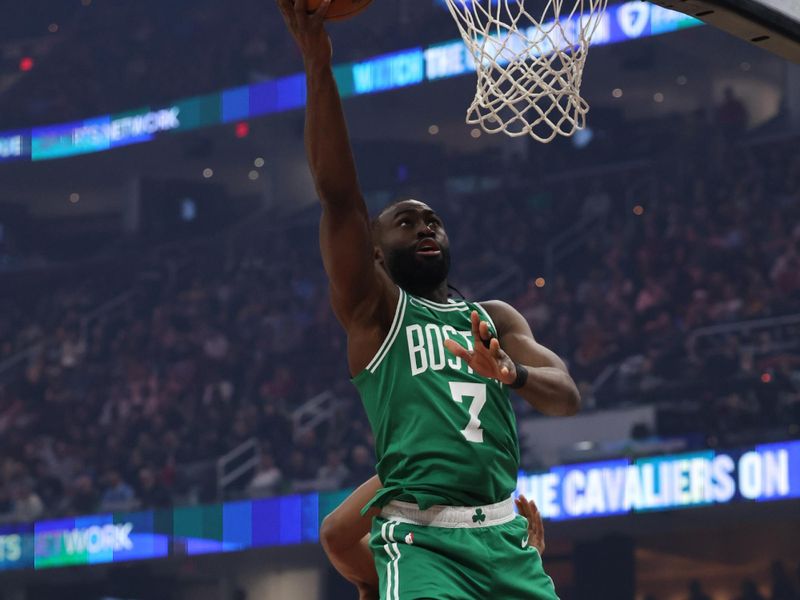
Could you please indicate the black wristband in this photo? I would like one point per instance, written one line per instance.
(522, 377)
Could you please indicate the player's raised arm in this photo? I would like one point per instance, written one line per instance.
(357, 286)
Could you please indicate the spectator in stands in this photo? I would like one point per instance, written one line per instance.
(696, 591)
(797, 577)
(48, 486)
(782, 588)
(27, 506)
(82, 496)
(302, 474)
(267, 479)
(6, 506)
(750, 591)
(785, 271)
(117, 495)
(274, 424)
(152, 492)
(732, 114)
(362, 466)
(332, 475)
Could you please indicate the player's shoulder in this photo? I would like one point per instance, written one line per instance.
(498, 307)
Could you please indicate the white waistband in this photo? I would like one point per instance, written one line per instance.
(450, 516)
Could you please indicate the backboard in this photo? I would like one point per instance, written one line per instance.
(770, 24)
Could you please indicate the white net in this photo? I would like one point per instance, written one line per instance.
(529, 57)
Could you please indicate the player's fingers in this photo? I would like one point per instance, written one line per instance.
(321, 12)
(476, 321)
(484, 334)
(534, 509)
(301, 7)
(524, 509)
(494, 348)
(286, 7)
(458, 350)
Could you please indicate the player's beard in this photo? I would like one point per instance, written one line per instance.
(417, 274)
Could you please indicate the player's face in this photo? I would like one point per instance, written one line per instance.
(414, 246)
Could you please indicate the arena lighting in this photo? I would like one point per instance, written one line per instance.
(413, 66)
(242, 130)
(583, 137)
(762, 473)
(26, 64)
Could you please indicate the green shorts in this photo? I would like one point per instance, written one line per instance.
(456, 553)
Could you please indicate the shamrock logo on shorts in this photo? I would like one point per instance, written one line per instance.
(478, 517)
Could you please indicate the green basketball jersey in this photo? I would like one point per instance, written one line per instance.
(443, 433)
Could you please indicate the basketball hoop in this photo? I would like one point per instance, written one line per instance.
(529, 63)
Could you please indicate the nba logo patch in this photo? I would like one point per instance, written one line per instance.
(410, 538)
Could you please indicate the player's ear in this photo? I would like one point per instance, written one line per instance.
(378, 254)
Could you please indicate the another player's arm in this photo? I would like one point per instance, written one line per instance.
(548, 388)
(345, 537)
(360, 292)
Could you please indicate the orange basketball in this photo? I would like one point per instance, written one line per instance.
(340, 9)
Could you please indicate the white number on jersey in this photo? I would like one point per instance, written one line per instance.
(477, 391)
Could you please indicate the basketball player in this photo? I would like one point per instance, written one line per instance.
(345, 537)
(445, 433)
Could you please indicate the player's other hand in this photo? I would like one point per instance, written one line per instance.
(487, 359)
(527, 508)
(308, 30)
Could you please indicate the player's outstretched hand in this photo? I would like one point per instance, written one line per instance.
(528, 509)
(307, 29)
(487, 359)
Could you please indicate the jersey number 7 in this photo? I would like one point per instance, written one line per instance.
(477, 391)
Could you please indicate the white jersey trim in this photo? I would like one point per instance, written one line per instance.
(392, 578)
(399, 314)
(453, 307)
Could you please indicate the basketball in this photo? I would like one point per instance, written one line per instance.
(340, 9)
